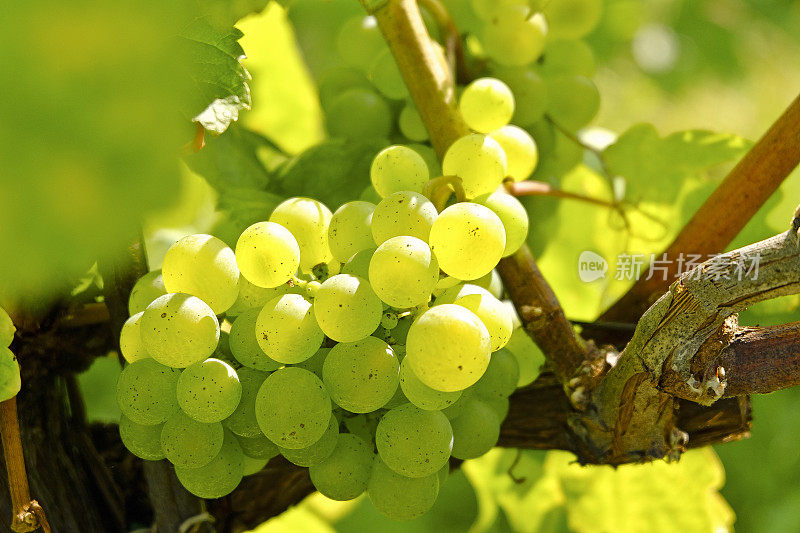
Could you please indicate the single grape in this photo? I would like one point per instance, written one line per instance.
(399, 497)
(359, 114)
(406, 213)
(337, 80)
(346, 308)
(146, 392)
(468, 240)
(403, 272)
(501, 376)
(317, 452)
(421, 395)
(448, 348)
(492, 283)
(411, 124)
(572, 19)
(244, 345)
(530, 93)
(308, 221)
(130, 339)
(521, 152)
(398, 399)
(189, 443)
(219, 477)
(203, 266)
(287, 330)
(389, 319)
(475, 430)
(486, 104)
(268, 254)
(147, 288)
(414, 442)
(209, 391)
(513, 216)
(492, 312)
(569, 57)
(143, 441)
(178, 330)
(360, 41)
(258, 447)
(350, 229)
(499, 406)
(429, 155)
(252, 466)
(530, 358)
(315, 363)
(252, 296)
(573, 102)
(386, 76)
(513, 38)
(7, 329)
(243, 420)
(479, 161)
(358, 264)
(293, 408)
(361, 425)
(361, 376)
(398, 168)
(345, 473)
(457, 408)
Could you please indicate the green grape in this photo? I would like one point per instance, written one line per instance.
(421, 395)
(399, 497)
(530, 94)
(501, 376)
(209, 391)
(358, 264)
(203, 266)
(360, 41)
(317, 452)
(568, 57)
(359, 114)
(448, 348)
(361, 376)
(573, 102)
(287, 330)
(429, 155)
(398, 168)
(398, 399)
(349, 231)
(308, 220)
(457, 408)
(530, 358)
(514, 39)
(219, 477)
(403, 213)
(468, 240)
(130, 339)
(486, 104)
(147, 288)
(520, 149)
(252, 296)
(346, 308)
(146, 392)
(223, 351)
(411, 124)
(362, 425)
(244, 345)
(7, 329)
(389, 320)
(414, 442)
(475, 430)
(572, 19)
(242, 421)
(513, 216)
(400, 332)
(387, 78)
(268, 254)
(499, 406)
(143, 441)
(293, 408)
(403, 272)
(492, 283)
(345, 473)
(179, 330)
(479, 161)
(252, 466)
(491, 311)
(258, 447)
(189, 443)
(337, 80)
(369, 194)
(315, 363)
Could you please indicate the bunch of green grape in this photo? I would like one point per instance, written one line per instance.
(10, 382)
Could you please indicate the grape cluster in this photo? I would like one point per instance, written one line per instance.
(9, 368)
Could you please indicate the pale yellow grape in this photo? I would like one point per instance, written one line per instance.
(513, 38)
(203, 266)
(411, 125)
(350, 229)
(130, 339)
(287, 330)
(143, 441)
(513, 216)
(258, 447)
(317, 452)
(522, 155)
(492, 283)
(244, 345)
(494, 314)
(403, 213)
(414, 442)
(7, 329)
(501, 376)
(420, 394)
(146, 392)
(189, 443)
(468, 240)
(308, 220)
(486, 104)
(209, 391)
(448, 347)
(219, 477)
(358, 264)
(479, 161)
(361, 376)
(399, 497)
(346, 308)
(398, 168)
(267, 254)
(403, 272)
(252, 296)
(475, 430)
(344, 475)
(179, 330)
(145, 290)
(243, 420)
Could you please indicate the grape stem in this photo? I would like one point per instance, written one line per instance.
(438, 190)
(197, 143)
